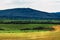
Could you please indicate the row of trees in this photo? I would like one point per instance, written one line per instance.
(29, 22)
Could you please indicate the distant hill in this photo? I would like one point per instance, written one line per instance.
(27, 13)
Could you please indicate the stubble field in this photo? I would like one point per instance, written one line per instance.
(43, 35)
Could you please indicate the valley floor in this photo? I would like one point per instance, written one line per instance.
(43, 35)
(31, 36)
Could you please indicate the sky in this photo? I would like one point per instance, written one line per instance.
(42, 5)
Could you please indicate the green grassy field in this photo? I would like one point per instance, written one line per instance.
(13, 32)
(17, 27)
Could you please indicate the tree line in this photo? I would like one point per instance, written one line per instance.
(29, 22)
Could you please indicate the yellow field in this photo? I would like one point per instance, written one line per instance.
(47, 35)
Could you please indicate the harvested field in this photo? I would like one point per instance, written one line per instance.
(43, 35)
(31, 36)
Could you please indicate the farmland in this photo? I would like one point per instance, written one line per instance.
(47, 35)
(13, 26)
(12, 30)
(18, 27)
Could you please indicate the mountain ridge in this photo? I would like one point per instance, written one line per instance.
(27, 13)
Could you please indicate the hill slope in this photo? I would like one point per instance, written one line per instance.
(27, 13)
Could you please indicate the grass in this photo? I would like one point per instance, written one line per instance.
(25, 25)
(13, 32)
(16, 27)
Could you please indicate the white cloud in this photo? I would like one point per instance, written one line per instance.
(44, 5)
(7, 4)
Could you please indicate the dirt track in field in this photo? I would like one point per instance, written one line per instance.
(48, 35)
(57, 28)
